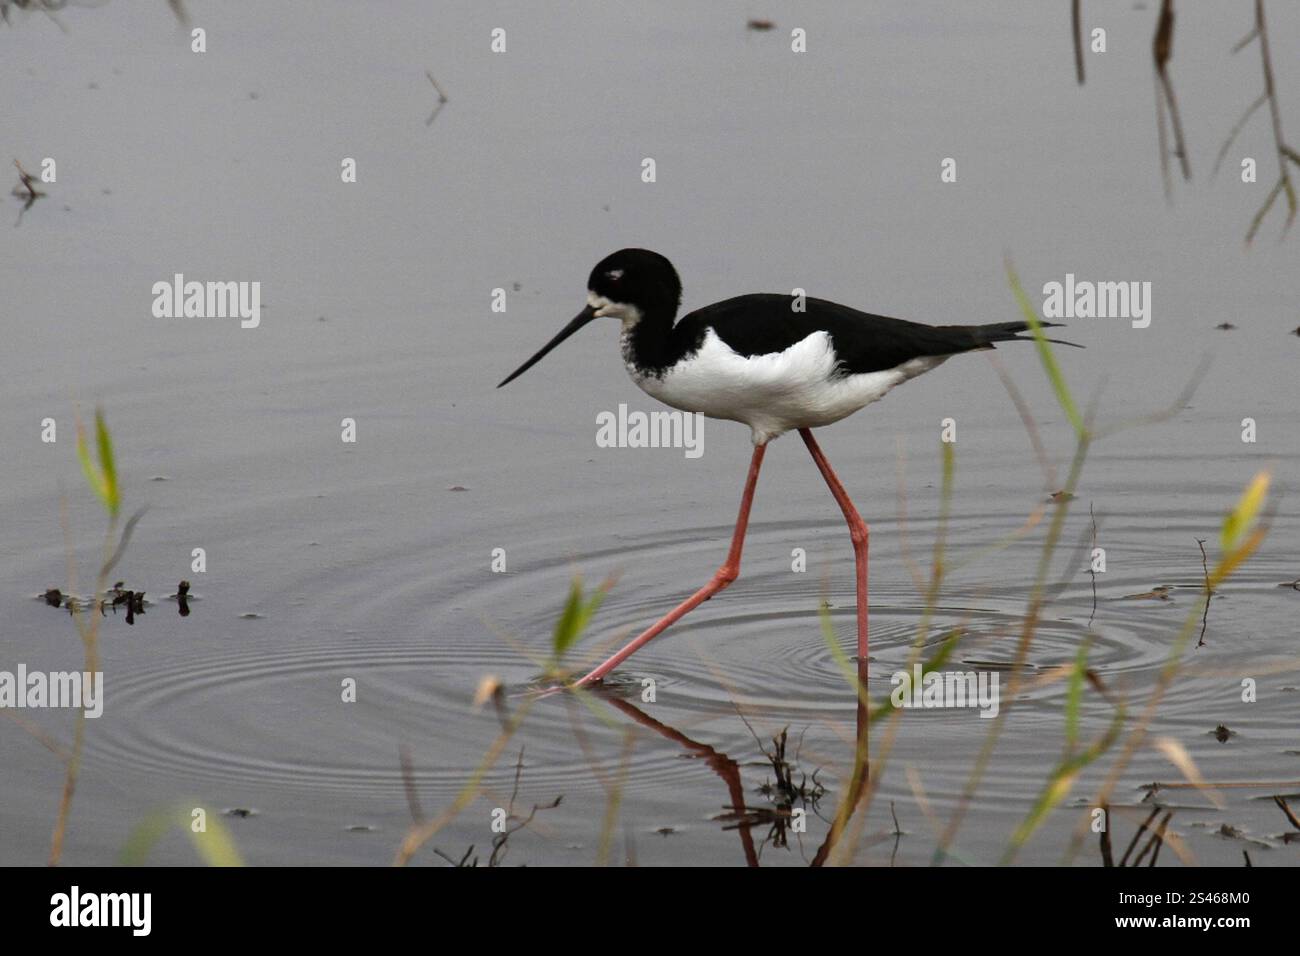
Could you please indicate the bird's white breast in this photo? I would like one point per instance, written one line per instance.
(772, 393)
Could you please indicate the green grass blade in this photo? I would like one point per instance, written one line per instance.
(1060, 782)
(1045, 353)
(1074, 698)
(107, 466)
(1243, 515)
(143, 838)
(93, 476)
(215, 846)
(575, 617)
(566, 626)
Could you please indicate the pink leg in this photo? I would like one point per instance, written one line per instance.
(857, 531)
(729, 571)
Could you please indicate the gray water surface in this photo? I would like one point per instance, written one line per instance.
(775, 170)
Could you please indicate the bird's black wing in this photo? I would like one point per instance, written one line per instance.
(764, 323)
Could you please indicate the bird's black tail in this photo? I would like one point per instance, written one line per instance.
(986, 335)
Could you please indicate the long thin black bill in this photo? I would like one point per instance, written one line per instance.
(579, 320)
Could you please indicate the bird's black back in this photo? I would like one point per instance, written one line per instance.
(763, 323)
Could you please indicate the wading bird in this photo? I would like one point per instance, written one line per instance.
(759, 360)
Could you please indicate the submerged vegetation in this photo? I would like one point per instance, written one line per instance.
(211, 840)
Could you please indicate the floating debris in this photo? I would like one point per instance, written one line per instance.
(760, 25)
(442, 100)
(1028, 667)
(132, 600)
(53, 597)
(1225, 326)
(458, 488)
(134, 605)
(26, 190)
(491, 689)
(1292, 835)
(1160, 593)
(1061, 496)
(1228, 831)
(784, 792)
(183, 598)
(242, 813)
(1222, 734)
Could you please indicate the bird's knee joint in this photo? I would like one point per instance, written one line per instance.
(725, 575)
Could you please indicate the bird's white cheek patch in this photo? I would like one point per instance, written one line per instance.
(629, 315)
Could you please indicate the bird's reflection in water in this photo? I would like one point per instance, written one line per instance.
(783, 795)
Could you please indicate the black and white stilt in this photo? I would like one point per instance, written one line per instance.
(756, 359)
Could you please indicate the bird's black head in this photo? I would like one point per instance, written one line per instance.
(631, 285)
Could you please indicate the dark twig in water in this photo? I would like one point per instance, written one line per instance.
(1156, 786)
(1209, 593)
(408, 784)
(1247, 856)
(1092, 571)
(898, 834)
(499, 841)
(1286, 811)
(1076, 23)
(1285, 153)
(1155, 811)
(47, 7)
(1152, 845)
(1162, 50)
(464, 861)
(1107, 856)
(51, 7)
(1232, 136)
(28, 183)
(442, 100)
(26, 190)
(1157, 841)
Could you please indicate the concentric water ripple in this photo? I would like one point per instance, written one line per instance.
(758, 645)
